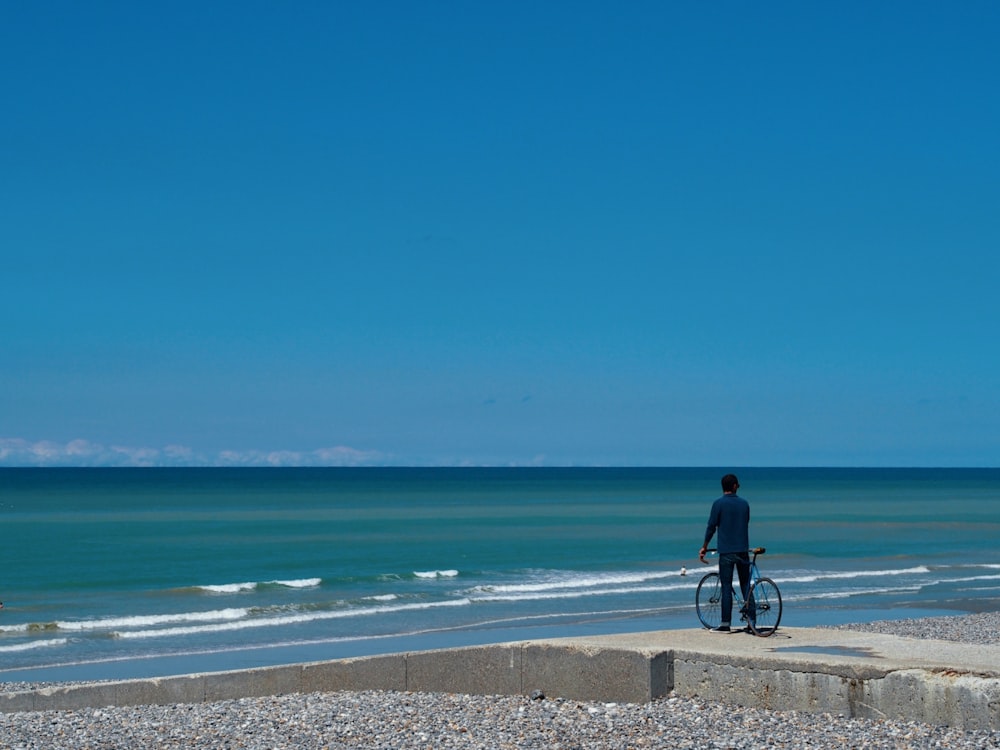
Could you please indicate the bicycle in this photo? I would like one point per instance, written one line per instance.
(761, 611)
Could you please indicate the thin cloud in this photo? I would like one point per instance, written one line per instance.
(336, 456)
(21, 452)
(18, 452)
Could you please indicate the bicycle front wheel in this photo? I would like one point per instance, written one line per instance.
(708, 600)
(763, 607)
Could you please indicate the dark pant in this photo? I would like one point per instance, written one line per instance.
(741, 562)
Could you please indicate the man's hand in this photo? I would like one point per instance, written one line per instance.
(701, 555)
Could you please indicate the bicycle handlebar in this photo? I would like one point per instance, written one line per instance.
(755, 550)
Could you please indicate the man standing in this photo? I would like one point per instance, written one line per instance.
(730, 516)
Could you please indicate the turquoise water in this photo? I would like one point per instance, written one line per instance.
(121, 572)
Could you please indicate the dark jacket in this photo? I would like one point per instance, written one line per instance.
(731, 517)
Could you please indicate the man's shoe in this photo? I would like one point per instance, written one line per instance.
(722, 629)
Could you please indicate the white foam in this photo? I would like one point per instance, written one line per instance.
(229, 588)
(988, 590)
(574, 581)
(291, 619)
(239, 588)
(47, 643)
(140, 621)
(24, 626)
(856, 592)
(435, 573)
(577, 593)
(302, 583)
(813, 577)
(966, 579)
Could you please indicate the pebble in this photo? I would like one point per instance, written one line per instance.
(412, 721)
(982, 628)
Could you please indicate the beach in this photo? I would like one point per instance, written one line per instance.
(375, 719)
(121, 574)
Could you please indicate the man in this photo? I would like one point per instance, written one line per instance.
(730, 516)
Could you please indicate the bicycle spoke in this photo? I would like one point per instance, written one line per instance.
(764, 607)
(708, 600)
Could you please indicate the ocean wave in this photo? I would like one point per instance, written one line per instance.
(236, 588)
(47, 643)
(131, 621)
(979, 590)
(435, 573)
(558, 585)
(558, 581)
(848, 574)
(287, 619)
(546, 595)
(854, 592)
(967, 579)
(32, 627)
(228, 588)
(298, 583)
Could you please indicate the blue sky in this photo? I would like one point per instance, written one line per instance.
(451, 233)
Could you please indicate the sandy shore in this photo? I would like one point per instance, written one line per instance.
(410, 720)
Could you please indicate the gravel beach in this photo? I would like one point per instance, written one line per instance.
(429, 720)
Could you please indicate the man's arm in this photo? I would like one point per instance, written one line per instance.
(713, 524)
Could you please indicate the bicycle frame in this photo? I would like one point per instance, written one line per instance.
(760, 609)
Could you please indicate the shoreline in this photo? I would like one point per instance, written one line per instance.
(151, 666)
(980, 628)
(411, 720)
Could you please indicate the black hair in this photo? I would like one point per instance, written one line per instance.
(730, 483)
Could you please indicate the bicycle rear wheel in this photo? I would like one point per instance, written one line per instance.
(763, 607)
(708, 600)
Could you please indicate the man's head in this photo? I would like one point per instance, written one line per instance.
(730, 483)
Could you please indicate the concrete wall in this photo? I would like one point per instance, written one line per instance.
(968, 701)
(612, 669)
(601, 674)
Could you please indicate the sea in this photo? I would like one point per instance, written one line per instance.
(122, 573)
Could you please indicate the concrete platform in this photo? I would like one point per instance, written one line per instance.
(806, 669)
